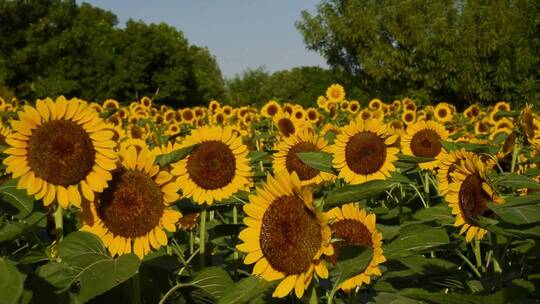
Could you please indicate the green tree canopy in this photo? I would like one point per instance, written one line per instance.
(459, 51)
(53, 47)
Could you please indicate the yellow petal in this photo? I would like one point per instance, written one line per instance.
(285, 287)
(62, 196)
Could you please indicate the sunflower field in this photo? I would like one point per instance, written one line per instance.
(348, 202)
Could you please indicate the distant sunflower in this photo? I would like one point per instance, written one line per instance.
(362, 152)
(285, 125)
(481, 127)
(502, 106)
(285, 235)
(335, 93)
(312, 115)
(353, 227)
(330, 128)
(270, 109)
(443, 113)
(354, 106)
(60, 149)
(146, 102)
(375, 104)
(132, 214)
(111, 104)
(365, 114)
(472, 112)
(468, 196)
(227, 110)
(423, 139)
(287, 160)
(188, 116)
(214, 106)
(322, 102)
(299, 114)
(217, 167)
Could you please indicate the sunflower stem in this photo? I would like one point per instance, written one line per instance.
(426, 188)
(496, 266)
(136, 289)
(477, 253)
(235, 221)
(515, 153)
(202, 236)
(468, 262)
(191, 242)
(59, 223)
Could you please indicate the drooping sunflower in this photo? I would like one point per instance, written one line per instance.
(375, 104)
(423, 139)
(285, 235)
(468, 195)
(217, 167)
(270, 109)
(502, 106)
(447, 166)
(363, 152)
(132, 214)
(285, 125)
(335, 93)
(287, 160)
(60, 149)
(354, 227)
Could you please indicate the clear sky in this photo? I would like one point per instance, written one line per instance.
(241, 34)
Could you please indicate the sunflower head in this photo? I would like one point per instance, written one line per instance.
(353, 227)
(363, 152)
(270, 109)
(60, 149)
(468, 194)
(443, 113)
(286, 235)
(423, 139)
(216, 168)
(335, 93)
(132, 214)
(285, 125)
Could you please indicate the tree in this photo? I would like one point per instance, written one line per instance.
(459, 51)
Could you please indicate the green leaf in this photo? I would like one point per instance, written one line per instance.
(515, 181)
(13, 230)
(244, 291)
(108, 113)
(415, 241)
(518, 213)
(213, 280)
(440, 213)
(174, 156)
(17, 198)
(59, 275)
(451, 146)
(11, 282)
(399, 178)
(321, 161)
(413, 159)
(92, 266)
(507, 113)
(354, 193)
(352, 261)
(256, 156)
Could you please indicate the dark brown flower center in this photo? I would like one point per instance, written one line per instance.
(366, 115)
(351, 233)
(475, 111)
(354, 107)
(473, 199)
(187, 115)
(271, 110)
(132, 205)
(61, 152)
(426, 143)
(136, 132)
(286, 127)
(188, 221)
(442, 113)
(290, 235)
(408, 117)
(312, 115)
(365, 153)
(211, 165)
(293, 162)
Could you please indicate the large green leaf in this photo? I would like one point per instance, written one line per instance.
(11, 283)
(519, 212)
(415, 241)
(451, 146)
(321, 161)
(413, 159)
(515, 181)
(59, 275)
(91, 264)
(354, 193)
(174, 156)
(17, 198)
(214, 280)
(352, 261)
(440, 213)
(244, 291)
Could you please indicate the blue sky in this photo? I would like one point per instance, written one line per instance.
(241, 34)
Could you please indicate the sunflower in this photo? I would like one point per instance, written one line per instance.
(502, 106)
(169, 116)
(354, 106)
(132, 214)
(329, 128)
(335, 93)
(409, 105)
(58, 147)
(481, 127)
(356, 228)
(227, 110)
(468, 195)
(375, 104)
(364, 114)
(188, 116)
(286, 160)
(111, 104)
(172, 130)
(4, 134)
(312, 115)
(424, 139)
(443, 113)
(285, 125)
(447, 166)
(217, 167)
(362, 152)
(321, 102)
(285, 235)
(299, 114)
(214, 106)
(344, 105)
(270, 109)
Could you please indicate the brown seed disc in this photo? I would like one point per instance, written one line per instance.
(290, 235)
(426, 143)
(312, 115)
(187, 115)
(442, 113)
(473, 199)
(61, 152)
(293, 162)
(365, 153)
(286, 127)
(351, 233)
(132, 205)
(211, 165)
